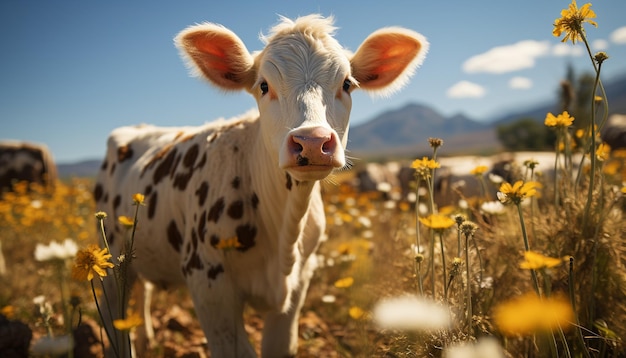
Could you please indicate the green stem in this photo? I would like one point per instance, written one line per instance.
(469, 287)
(527, 247)
(106, 330)
(443, 262)
(572, 298)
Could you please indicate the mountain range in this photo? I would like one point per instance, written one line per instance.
(404, 132)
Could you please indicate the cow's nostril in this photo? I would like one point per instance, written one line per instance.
(295, 146)
(329, 145)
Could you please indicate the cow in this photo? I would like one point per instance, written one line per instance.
(26, 161)
(233, 207)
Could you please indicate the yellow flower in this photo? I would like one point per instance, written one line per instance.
(126, 221)
(479, 170)
(344, 282)
(424, 167)
(226, 244)
(138, 199)
(89, 261)
(356, 312)
(531, 314)
(536, 261)
(562, 120)
(517, 192)
(571, 22)
(603, 152)
(8, 311)
(437, 221)
(131, 321)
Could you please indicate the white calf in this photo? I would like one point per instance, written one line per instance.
(253, 178)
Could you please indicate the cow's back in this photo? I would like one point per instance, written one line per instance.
(180, 170)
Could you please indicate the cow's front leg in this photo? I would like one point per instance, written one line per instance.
(220, 312)
(280, 330)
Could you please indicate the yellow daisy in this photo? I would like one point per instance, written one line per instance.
(571, 22)
(131, 321)
(437, 221)
(517, 192)
(90, 261)
(536, 261)
(531, 314)
(562, 120)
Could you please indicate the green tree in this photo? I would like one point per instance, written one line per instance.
(524, 134)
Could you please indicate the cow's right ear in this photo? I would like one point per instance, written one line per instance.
(217, 54)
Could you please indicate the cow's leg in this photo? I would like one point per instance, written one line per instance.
(144, 338)
(220, 312)
(280, 330)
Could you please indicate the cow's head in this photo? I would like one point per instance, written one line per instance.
(302, 82)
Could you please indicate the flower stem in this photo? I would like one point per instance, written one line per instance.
(443, 262)
(469, 287)
(106, 330)
(527, 247)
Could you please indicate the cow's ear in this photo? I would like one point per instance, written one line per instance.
(217, 54)
(387, 59)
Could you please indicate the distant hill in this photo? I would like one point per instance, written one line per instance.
(399, 130)
(86, 168)
(405, 131)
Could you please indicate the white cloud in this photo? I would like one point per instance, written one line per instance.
(520, 83)
(599, 45)
(507, 58)
(465, 89)
(619, 36)
(566, 49)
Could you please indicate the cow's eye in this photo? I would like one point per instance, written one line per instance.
(346, 85)
(264, 88)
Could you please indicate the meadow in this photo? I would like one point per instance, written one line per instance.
(534, 268)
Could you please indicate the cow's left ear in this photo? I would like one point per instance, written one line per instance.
(387, 59)
(217, 54)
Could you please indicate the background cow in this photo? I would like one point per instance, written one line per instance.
(24, 161)
(234, 208)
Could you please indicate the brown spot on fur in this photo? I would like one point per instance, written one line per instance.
(202, 226)
(174, 236)
(164, 168)
(255, 201)
(246, 235)
(216, 210)
(202, 161)
(104, 165)
(152, 204)
(124, 152)
(214, 240)
(148, 190)
(235, 183)
(161, 154)
(289, 184)
(193, 263)
(235, 210)
(113, 166)
(116, 202)
(182, 179)
(202, 193)
(98, 192)
(214, 271)
(191, 156)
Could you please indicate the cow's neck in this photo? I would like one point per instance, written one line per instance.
(285, 205)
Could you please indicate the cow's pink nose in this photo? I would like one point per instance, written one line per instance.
(312, 146)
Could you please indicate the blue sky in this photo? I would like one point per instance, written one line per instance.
(71, 71)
